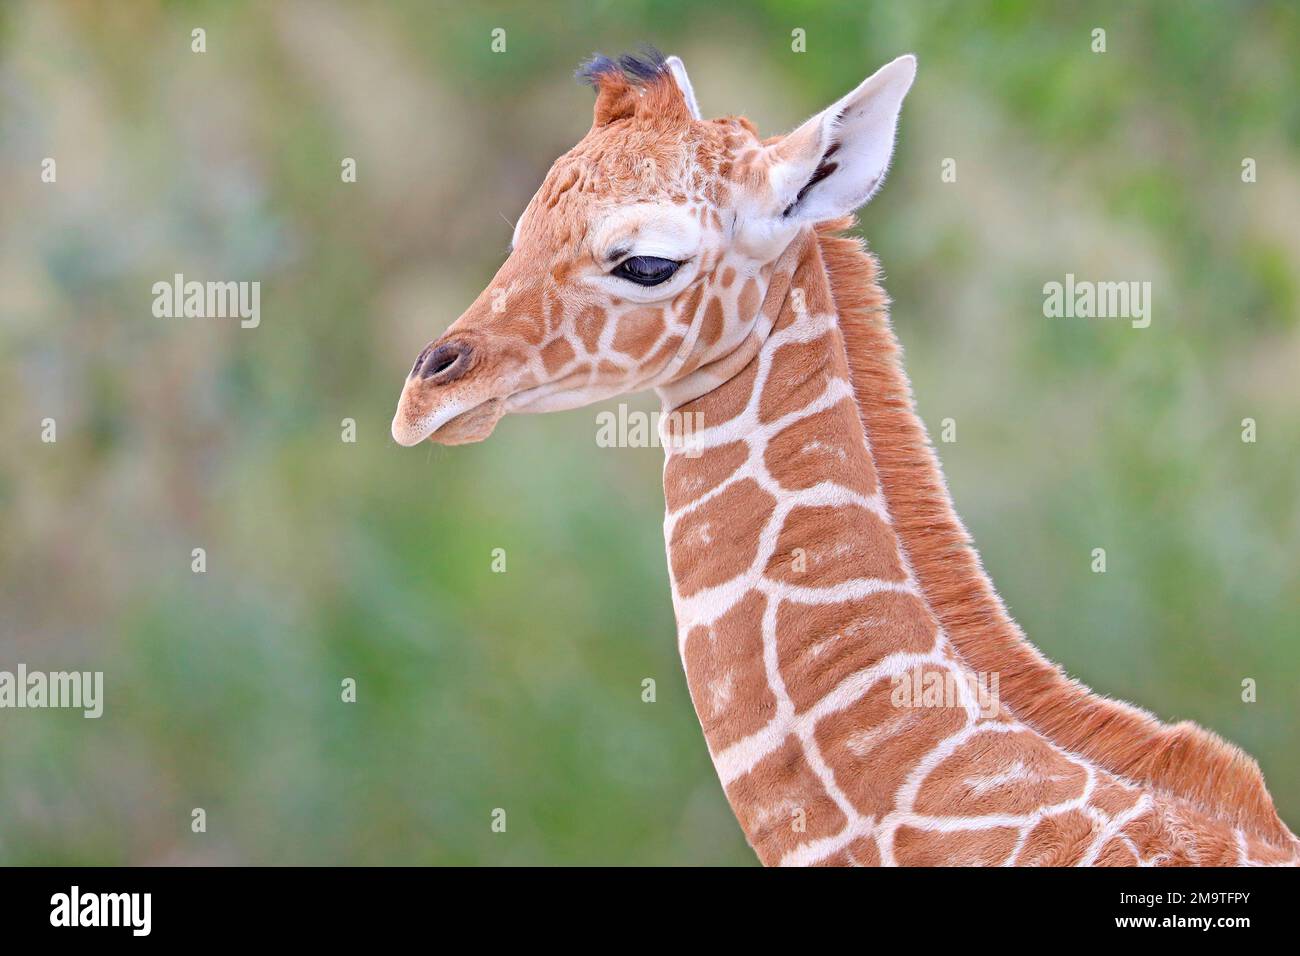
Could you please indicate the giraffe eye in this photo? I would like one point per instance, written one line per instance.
(646, 270)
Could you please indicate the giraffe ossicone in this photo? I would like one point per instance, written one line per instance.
(840, 639)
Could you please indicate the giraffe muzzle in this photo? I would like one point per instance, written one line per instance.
(451, 395)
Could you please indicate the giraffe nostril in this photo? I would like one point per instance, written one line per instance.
(445, 363)
(419, 360)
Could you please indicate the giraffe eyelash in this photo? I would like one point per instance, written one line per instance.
(647, 271)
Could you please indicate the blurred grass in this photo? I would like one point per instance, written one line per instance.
(522, 690)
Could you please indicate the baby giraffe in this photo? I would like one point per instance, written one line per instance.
(865, 696)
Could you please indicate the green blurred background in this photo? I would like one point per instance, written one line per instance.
(522, 690)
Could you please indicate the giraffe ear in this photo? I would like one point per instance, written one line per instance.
(678, 70)
(832, 164)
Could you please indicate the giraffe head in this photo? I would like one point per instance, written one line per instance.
(646, 253)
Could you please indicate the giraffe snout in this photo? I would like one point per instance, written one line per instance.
(442, 364)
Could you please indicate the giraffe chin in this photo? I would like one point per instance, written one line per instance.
(470, 426)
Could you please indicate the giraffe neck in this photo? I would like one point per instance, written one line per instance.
(841, 705)
(790, 587)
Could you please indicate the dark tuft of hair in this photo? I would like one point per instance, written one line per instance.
(593, 68)
(640, 69)
(645, 67)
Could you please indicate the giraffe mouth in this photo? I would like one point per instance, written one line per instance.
(471, 425)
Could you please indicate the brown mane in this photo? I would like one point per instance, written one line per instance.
(1182, 760)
